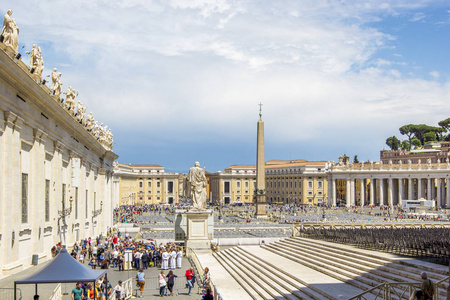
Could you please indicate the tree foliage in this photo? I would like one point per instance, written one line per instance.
(393, 142)
(355, 159)
(416, 143)
(405, 145)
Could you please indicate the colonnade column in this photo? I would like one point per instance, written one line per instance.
(448, 193)
(390, 193)
(372, 192)
(429, 189)
(352, 192)
(410, 189)
(400, 191)
(419, 188)
(381, 191)
(438, 193)
(347, 193)
(362, 183)
(333, 191)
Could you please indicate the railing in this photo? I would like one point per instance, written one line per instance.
(56, 295)
(297, 228)
(8, 293)
(397, 290)
(128, 286)
(201, 272)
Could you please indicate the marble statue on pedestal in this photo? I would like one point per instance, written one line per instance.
(56, 84)
(89, 123)
(197, 182)
(10, 32)
(36, 61)
(81, 109)
(71, 94)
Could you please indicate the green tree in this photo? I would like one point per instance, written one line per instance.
(416, 143)
(445, 124)
(355, 159)
(429, 137)
(405, 145)
(406, 130)
(393, 142)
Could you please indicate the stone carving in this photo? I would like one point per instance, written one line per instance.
(90, 122)
(81, 109)
(429, 163)
(10, 32)
(409, 164)
(400, 164)
(36, 61)
(419, 164)
(439, 163)
(71, 94)
(56, 84)
(197, 182)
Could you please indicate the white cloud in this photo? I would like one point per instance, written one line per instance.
(174, 67)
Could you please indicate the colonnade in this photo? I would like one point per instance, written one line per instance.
(389, 188)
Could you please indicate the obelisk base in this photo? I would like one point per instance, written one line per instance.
(260, 207)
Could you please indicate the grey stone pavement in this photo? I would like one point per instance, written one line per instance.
(151, 289)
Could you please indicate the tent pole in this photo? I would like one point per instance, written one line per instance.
(36, 289)
(15, 296)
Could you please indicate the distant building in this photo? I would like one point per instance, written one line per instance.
(236, 184)
(433, 151)
(146, 184)
(296, 182)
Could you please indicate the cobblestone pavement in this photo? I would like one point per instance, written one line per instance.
(151, 289)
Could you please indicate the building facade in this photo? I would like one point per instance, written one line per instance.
(145, 185)
(236, 185)
(296, 182)
(56, 183)
(432, 151)
(389, 184)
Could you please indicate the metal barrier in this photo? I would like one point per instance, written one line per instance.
(57, 294)
(8, 293)
(127, 286)
(398, 290)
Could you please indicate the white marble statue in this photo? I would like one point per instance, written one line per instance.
(36, 61)
(10, 31)
(81, 109)
(90, 122)
(198, 182)
(71, 94)
(56, 84)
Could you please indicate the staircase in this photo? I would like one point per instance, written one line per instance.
(301, 268)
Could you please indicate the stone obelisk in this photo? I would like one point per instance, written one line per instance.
(260, 192)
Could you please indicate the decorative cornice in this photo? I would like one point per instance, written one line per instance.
(39, 135)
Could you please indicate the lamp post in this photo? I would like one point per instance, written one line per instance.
(97, 212)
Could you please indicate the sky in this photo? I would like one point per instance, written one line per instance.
(179, 81)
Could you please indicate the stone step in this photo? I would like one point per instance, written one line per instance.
(304, 290)
(341, 275)
(387, 266)
(436, 270)
(273, 289)
(388, 274)
(242, 277)
(270, 273)
(342, 268)
(249, 289)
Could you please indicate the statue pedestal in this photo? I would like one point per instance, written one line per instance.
(200, 229)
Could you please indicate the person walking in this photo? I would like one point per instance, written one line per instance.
(77, 292)
(140, 276)
(179, 258)
(120, 291)
(207, 280)
(171, 281)
(189, 276)
(162, 283)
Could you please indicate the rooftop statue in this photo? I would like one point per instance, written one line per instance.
(36, 61)
(81, 109)
(71, 94)
(56, 84)
(198, 182)
(10, 32)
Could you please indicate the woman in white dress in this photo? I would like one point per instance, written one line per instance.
(173, 256)
(179, 257)
(165, 260)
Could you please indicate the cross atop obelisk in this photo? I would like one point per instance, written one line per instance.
(260, 192)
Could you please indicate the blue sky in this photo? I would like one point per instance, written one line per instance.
(180, 81)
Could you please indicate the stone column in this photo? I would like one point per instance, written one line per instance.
(333, 192)
(400, 191)
(419, 188)
(372, 191)
(382, 191)
(347, 193)
(429, 189)
(438, 193)
(362, 184)
(352, 192)
(390, 193)
(448, 193)
(410, 189)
